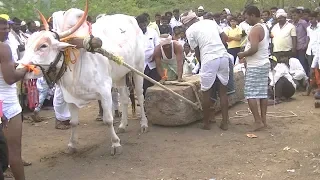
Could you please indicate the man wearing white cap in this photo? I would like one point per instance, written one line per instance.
(200, 12)
(284, 34)
(204, 37)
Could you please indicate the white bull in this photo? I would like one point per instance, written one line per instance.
(90, 77)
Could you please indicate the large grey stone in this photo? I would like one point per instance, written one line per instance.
(163, 108)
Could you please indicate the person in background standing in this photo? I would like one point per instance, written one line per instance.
(32, 28)
(165, 28)
(266, 18)
(234, 34)
(158, 19)
(175, 20)
(313, 33)
(200, 12)
(152, 40)
(284, 34)
(256, 56)
(302, 38)
(152, 24)
(168, 14)
(306, 14)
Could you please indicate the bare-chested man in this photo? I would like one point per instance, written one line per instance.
(11, 108)
(256, 57)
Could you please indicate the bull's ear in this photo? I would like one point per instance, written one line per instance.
(62, 45)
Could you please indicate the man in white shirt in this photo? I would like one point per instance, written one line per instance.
(151, 41)
(313, 33)
(204, 37)
(175, 20)
(281, 82)
(284, 34)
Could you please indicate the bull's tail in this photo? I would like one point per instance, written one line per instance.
(130, 85)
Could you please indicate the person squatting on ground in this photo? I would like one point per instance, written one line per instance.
(256, 57)
(204, 37)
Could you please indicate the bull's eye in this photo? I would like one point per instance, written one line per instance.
(43, 46)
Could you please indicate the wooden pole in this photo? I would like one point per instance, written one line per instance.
(112, 57)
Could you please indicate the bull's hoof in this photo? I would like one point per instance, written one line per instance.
(71, 150)
(317, 104)
(99, 118)
(116, 150)
(121, 130)
(36, 118)
(144, 129)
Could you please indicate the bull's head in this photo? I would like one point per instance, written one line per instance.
(44, 48)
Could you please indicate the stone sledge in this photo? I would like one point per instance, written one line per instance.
(162, 108)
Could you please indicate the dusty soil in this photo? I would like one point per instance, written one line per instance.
(183, 152)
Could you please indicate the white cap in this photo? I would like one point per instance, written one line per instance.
(200, 8)
(23, 23)
(37, 23)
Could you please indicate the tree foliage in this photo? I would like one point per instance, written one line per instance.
(25, 9)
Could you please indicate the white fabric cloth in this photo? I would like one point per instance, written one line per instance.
(212, 69)
(246, 28)
(174, 22)
(314, 36)
(13, 43)
(281, 70)
(11, 110)
(206, 35)
(282, 37)
(296, 69)
(151, 41)
(281, 12)
(61, 108)
(261, 57)
(189, 64)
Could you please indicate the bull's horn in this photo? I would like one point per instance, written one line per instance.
(76, 27)
(44, 21)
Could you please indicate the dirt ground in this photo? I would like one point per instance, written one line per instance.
(289, 149)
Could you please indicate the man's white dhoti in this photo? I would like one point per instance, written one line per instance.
(60, 106)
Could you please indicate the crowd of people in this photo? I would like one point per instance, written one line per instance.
(278, 51)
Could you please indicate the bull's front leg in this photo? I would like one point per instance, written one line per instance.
(74, 121)
(138, 80)
(108, 120)
(124, 101)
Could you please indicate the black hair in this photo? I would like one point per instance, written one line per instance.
(165, 18)
(176, 11)
(234, 18)
(16, 20)
(266, 11)
(308, 11)
(141, 19)
(297, 11)
(274, 8)
(176, 28)
(314, 14)
(217, 15)
(146, 14)
(157, 14)
(30, 22)
(252, 10)
(166, 14)
(3, 21)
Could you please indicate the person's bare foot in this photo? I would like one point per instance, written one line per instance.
(35, 117)
(257, 126)
(204, 126)
(224, 125)
(8, 173)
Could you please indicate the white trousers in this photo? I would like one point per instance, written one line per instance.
(61, 108)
